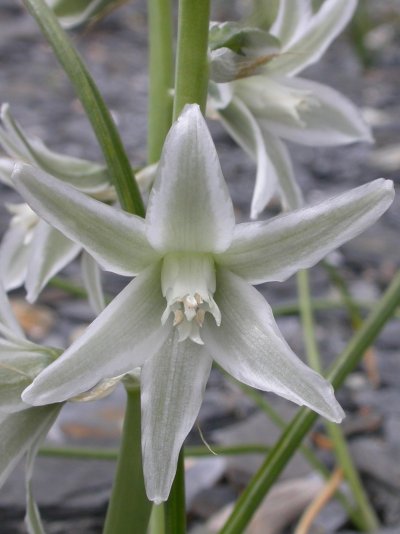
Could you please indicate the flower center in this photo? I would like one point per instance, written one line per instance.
(188, 284)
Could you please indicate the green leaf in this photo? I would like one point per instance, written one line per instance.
(92, 101)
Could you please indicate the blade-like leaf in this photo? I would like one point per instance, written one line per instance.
(103, 125)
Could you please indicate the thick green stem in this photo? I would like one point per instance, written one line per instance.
(175, 507)
(157, 519)
(129, 509)
(364, 513)
(161, 76)
(295, 431)
(191, 73)
(97, 112)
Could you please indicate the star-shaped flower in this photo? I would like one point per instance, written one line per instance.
(257, 111)
(191, 301)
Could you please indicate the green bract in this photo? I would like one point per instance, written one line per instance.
(191, 301)
(260, 109)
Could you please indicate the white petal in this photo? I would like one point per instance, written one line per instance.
(270, 98)
(85, 175)
(7, 317)
(114, 238)
(292, 197)
(189, 206)
(242, 126)
(335, 120)
(6, 169)
(120, 339)
(275, 249)
(249, 346)
(50, 251)
(313, 41)
(173, 383)
(14, 254)
(19, 431)
(292, 20)
(92, 281)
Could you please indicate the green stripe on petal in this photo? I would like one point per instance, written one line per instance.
(249, 346)
(173, 383)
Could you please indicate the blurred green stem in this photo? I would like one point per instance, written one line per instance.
(175, 507)
(161, 76)
(129, 509)
(364, 511)
(96, 110)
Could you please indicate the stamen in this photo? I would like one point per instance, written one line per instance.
(188, 283)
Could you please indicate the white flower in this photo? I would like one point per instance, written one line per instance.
(259, 110)
(31, 251)
(191, 301)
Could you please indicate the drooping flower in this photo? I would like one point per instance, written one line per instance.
(259, 110)
(191, 301)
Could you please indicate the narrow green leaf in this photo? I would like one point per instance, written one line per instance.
(295, 431)
(92, 101)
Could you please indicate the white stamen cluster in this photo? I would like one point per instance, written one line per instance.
(188, 283)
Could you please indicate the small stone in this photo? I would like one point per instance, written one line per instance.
(378, 460)
(36, 320)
